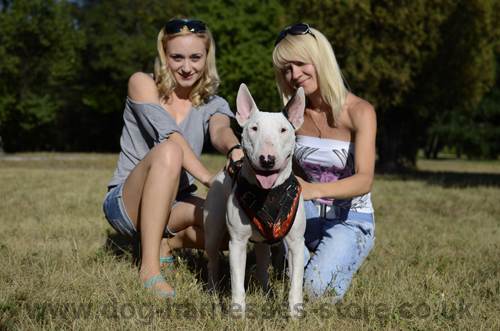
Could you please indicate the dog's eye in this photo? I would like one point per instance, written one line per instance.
(254, 128)
(283, 130)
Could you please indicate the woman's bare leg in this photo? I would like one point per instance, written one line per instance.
(187, 220)
(148, 194)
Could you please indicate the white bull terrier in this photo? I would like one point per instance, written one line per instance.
(262, 203)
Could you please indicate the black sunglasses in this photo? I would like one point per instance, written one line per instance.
(176, 26)
(297, 29)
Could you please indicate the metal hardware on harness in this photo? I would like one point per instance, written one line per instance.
(249, 199)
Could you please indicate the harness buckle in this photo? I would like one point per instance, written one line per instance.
(291, 191)
(245, 197)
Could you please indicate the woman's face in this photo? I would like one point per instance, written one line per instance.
(187, 56)
(300, 74)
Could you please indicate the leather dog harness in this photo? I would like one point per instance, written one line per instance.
(272, 211)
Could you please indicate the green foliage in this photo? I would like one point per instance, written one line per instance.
(65, 65)
(121, 39)
(39, 45)
(244, 31)
(475, 133)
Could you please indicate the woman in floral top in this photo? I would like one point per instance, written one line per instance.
(334, 159)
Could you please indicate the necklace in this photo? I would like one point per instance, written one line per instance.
(315, 124)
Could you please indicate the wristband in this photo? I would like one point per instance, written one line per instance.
(233, 148)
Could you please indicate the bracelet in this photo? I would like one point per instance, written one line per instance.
(233, 148)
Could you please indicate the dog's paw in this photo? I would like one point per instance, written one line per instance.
(237, 311)
(297, 312)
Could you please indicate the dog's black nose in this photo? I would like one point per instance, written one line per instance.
(269, 163)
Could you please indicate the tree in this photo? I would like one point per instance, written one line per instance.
(244, 32)
(39, 46)
(121, 39)
(452, 83)
(476, 132)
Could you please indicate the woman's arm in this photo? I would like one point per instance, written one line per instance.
(191, 163)
(142, 88)
(364, 125)
(222, 136)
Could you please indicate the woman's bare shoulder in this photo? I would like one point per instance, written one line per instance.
(359, 110)
(142, 88)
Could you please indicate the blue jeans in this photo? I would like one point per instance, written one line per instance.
(340, 245)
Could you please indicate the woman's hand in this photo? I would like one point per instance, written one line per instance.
(208, 181)
(236, 155)
(307, 189)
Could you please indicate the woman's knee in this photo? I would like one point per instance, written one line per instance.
(167, 154)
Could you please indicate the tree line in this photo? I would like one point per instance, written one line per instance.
(431, 68)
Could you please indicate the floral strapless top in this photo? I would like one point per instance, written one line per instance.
(327, 160)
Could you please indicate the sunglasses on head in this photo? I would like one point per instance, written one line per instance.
(297, 29)
(176, 26)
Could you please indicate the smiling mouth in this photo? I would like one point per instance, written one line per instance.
(186, 76)
(301, 83)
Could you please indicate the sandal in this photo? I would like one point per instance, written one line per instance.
(155, 280)
(170, 260)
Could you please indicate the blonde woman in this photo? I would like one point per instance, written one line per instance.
(167, 118)
(334, 158)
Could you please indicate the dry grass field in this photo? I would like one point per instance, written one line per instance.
(435, 264)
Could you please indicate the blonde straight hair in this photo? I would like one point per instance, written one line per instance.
(318, 51)
(165, 81)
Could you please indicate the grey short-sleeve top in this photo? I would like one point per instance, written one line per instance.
(147, 124)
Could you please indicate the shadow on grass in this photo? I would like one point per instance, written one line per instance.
(447, 179)
(118, 245)
(195, 260)
(197, 263)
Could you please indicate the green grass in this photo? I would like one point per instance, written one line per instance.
(435, 264)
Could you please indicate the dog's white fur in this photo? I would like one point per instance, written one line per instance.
(265, 136)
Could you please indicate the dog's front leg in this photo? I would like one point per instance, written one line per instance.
(214, 215)
(296, 269)
(262, 254)
(237, 262)
(212, 245)
(215, 228)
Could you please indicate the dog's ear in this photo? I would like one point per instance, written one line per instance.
(294, 109)
(245, 106)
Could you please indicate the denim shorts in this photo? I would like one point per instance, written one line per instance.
(117, 216)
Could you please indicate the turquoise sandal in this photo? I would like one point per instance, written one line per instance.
(155, 280)
(170, 260)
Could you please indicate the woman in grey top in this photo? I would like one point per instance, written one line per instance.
(167, 118)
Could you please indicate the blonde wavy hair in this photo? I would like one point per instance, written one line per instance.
(165, 81)
(318, 51)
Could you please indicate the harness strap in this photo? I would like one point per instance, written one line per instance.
(234, 169)
(271, 211)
